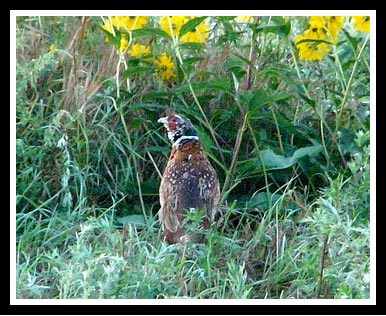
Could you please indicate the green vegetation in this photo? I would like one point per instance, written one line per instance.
(288, 137)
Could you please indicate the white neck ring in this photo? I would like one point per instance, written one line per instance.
(178, 141)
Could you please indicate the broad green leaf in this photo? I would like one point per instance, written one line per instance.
(314, 41)
(260, 200)
(150, 32)
(347, 64)
(136, 70)
(191, 25)
(225, 18)
(274, 161)
(243, 59)
(309, 101)
(132, 219)
(279, 20)
(281, 29)
(156, 95)
(115, 40)
(260, 98)
(353, 41)
(192, 60)
(220, 84)
(206, 140)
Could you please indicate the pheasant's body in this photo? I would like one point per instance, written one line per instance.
(189, 181)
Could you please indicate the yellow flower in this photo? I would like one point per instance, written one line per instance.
(316, 21)
(312, 50)
(166, 65)
(198, 35)
(124, 43)
(119, 21)
(53, 48)
(108, 26)
(172, 24)
(130, 23)
(139, 50)
(362, 23)
(136, 22)
(334, 25)
(245, 19)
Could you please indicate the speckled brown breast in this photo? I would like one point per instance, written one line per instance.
(189, 181)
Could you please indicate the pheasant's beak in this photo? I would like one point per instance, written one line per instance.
(163, 120)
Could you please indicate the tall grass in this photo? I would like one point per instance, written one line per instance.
(291, 148)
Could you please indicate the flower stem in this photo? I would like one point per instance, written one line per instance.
(322, 121)
(337, 61)
(343, 103)
(229, 173)
(277, 130)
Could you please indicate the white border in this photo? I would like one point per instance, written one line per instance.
(14, 301)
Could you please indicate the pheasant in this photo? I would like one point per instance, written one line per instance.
(189, 181)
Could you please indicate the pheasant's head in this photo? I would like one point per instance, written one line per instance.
(177, 127)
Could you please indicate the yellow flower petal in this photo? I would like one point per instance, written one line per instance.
(53, 48)
(139, 50)
(166, 65)
(124, 43)
(198, 35)
(172, 24)
(362, 23)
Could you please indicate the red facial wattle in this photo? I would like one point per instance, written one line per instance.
(172, 126)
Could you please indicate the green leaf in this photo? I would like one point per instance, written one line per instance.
(134, 123)
(225, 18)
(259, 98)
(191, 25)
(274, 161)
(260, 200)
(314, 41)
(157, 95)
(115, 40)
(206, 140)
(220, 84)
(136, 70)
(279, 96)
(329, 206)
(347, 64)
(309, 101)
(281, 29)
(278, 20)
(150, 32)
(132, 219)
(243, 59)
(192, 60)
(353, 41)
